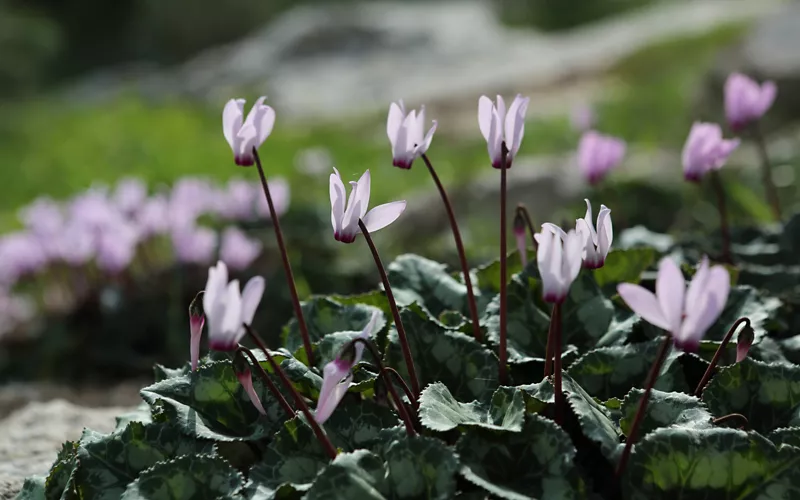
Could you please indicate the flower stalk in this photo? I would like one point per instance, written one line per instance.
(323, 438)
(555, 336)
(716, 182)
(383, 371)
(287, 267)
(710, 370)
(640, 411)
(401, 331)
(473, 308)
(766, 172)
(503, 353)
(523, 211)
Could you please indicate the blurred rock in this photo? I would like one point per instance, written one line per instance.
(769, 52)
(355, 57)
(33, 435)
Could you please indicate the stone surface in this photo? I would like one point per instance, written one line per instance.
(769, 51)
(32, 436)
(351, 58)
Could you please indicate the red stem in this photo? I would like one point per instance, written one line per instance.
(766, 172)
(298, 399)
(462, 255)
(401, 332)
(716, 181)
(555, 319)
(528, 221)
(637, 419)
(268, 381)
(715, 359)
(287, 267)
(548, 359)
(503, 353)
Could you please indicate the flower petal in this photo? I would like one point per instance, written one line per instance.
(426, 142)
(333, 390)
(338, 197)
(670, 290)
(362, 193)
(644, 303)
(232, 319)
(251, 297)
(768, 93)
(515, 124)
(605, 231)
(393, 123)
(232, 116)
(266, 123)
(485, 116)
(383, 215)
(366, 333)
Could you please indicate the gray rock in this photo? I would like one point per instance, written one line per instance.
(31, 437)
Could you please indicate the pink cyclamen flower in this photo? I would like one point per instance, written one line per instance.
(196, 322)
(281, 196)
(44, 216)
(237, 250)
(337, 375)
(246, 379)
(582, 117)
(499, 127)
(228, 309)
(746, 101)
(598, 154)
(686, 315)
(705, 150)
(345, 220)
(559, 260)
(116, 247)
(129, 195)
(597, 243)
(405, 133)
(194, 244)
(238, 200)
(153, 217)
(246, 134)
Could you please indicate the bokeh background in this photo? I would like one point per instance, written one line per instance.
(119, 189)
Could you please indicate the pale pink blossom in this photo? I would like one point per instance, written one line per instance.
(345, 219)
(245, 134)
(227, 309)
(502, 129)
(405, 131)
(746, 101)
(705, 150)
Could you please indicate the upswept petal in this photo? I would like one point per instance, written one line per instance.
(366, 333)
(338, 197)
(590, 254)
(573, 251)
(670, 290)
(644, 303)
(215, 285)
(515, 124)
(394, 122)
(232, 117)
(547, 241)
(335, 383)
(767, 96)
(702, 314)
(254, 116)
(266, 124)
(251, 297)
(383, 215)
(232, 319)
(549, 226)
(426, 142)
(363, 193)
(485, 116)
(605, 231)
(500, 110)
(698, 283)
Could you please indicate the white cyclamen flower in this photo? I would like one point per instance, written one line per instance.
(345, 219)
(227, 309)
(246, 134)
(597, 243)
(405, 133)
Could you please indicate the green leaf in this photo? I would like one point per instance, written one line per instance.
(664, 409)
(612, 371)
(324, 316)
(586, 313)
(467, 368)
(486, 278)
(767, 394)
(188, 477)
(535, 463)
(108, 464)
(211, 404)
(62, 470)
(421, 467)
(594, 418)
(439, 410)
(788, 435)
(351, 475)
(426, 282)
(624, 266)
(32, 489)
(143, 413)
(710, 463)
(161, 372)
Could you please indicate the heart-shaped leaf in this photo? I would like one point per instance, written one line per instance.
(187, 478)
(440, 411)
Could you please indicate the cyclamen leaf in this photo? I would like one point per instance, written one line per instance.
(610, 372)
(32, 489)
(467, 368)
(535, 463)
(624, 266)
(421, 467)
(360, 474)
(710, 463)
(426, 282)
(664, 409)
(788, 435)
(768, 395)
(595, 420)
(440, 411)
(188, 477)
(109, 463)
(61, 472)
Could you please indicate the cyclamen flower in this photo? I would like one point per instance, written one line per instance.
(596, 242)
(746, 101)
(196, 322)
(598, 154)
(686, 315)
(44, 216)
(245, 378)
(238, 200)
(405, 134)
(237, 250)
(130, 195)
(281, 195)
(345, 220)
(499, 127)
(705, 150)
(245, 134)
(228, 309)
(194, 244)
(337, 375)
(559, 260)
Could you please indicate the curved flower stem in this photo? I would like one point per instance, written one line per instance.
(715, 359)
(637, 419)
(716, 181)
(401, 408)
(402, 383)
(401, 332)
(766, 172)
(732, 416)
(555, 319)
(522, 209)
(287, 267)
(473, 308)
(503, 353)
(267, 381)
(298, 399)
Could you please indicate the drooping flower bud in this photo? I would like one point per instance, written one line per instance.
(196, 322)
(243, 373)
(744, 341)
(519, 235)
